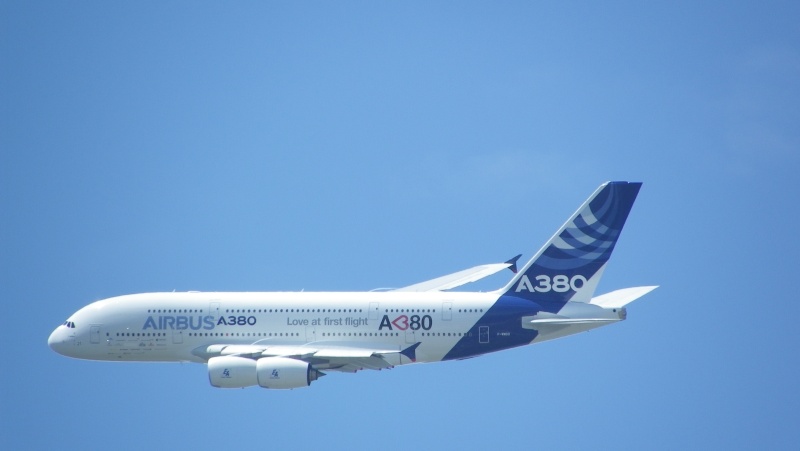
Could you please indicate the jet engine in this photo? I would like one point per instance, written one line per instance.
(268, 372)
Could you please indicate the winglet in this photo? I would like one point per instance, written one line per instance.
(513, 263)
(411, 351)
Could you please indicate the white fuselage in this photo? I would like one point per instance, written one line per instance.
(170, 326)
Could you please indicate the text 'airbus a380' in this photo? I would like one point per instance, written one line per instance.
(287, 340)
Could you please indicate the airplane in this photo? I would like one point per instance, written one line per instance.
(287, 340)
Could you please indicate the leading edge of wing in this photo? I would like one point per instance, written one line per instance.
(462, 277)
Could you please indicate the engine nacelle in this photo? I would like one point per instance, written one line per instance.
(268, 372)
(282, 372)
(232, 372)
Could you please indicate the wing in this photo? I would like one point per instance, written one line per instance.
(349, 357)
(459, 278)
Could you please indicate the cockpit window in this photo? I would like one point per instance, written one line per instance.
(69, 324)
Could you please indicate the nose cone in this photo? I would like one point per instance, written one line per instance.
(58, 340)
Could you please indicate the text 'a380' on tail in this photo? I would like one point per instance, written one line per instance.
(570, 265)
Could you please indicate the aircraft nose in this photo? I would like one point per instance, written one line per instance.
(57, 340)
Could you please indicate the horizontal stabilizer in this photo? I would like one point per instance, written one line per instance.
(621, 298)
(561, 321)
(538, 322)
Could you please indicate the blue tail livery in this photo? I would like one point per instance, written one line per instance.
(570, 265)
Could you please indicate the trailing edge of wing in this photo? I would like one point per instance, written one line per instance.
(459, 278)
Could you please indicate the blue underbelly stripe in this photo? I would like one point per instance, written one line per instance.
(503, 320)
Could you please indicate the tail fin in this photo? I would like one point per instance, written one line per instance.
(570, 265)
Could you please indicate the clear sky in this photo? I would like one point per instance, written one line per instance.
(278, 146)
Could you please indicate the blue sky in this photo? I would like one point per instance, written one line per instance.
(316, 146)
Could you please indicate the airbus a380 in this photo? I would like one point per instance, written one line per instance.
(288, 340)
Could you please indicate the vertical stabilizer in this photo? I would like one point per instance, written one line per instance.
(569, 266)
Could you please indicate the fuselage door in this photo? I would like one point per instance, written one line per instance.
(94, 334)
(177, 336)
(373, 310)
(213, 310)
(447, 311)
(483, 334)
